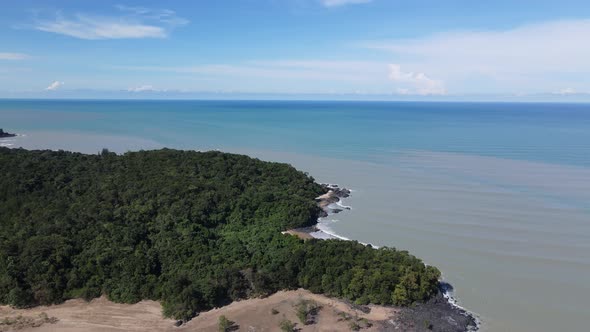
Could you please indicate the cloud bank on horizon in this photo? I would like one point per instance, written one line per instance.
(337, 3)
(419, 83)
(523, 55)
(358, 49)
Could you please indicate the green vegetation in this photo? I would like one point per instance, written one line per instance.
(226, 325)
(302, 313)
(364, 323)
(354, 326)
(287, 326)
(307, 311)
(343, 316)
(354, 323)
(193, 230)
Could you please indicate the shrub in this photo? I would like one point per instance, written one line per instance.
(225, 325)
(287, 326)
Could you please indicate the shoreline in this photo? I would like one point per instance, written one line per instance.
(4, 134)
(332, 203)
(8, 141)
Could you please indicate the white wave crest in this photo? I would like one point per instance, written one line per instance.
(449, 295)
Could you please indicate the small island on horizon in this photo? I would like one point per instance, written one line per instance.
(4, 134)
(198, 231)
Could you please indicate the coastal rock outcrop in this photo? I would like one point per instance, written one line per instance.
(437, 314)
(4, 134)
(328, 205)
(333, 195)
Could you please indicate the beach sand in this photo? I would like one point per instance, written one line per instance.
(300, 233)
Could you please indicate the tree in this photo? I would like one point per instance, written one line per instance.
(225, 325)
(194, 230)
(400, 296)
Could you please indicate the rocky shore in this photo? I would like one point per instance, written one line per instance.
(439, 314)
(332, 196)
(328, 203)
(4, 134)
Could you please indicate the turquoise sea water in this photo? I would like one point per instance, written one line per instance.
(495, 194)
(369, 131)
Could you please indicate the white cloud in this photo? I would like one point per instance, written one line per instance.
(160, 15)
(143, 88)
(13, 56)
(54, 86)
(134, 22)
(336, 3)
(277, 76)
(353, 71)
(95, 28)
(537, 56)
(566, 91)
(334, 76)
(415, 83)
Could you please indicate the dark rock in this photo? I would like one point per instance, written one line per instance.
(435, 315)
(4, 134)
(333, 195)
(178, 323)
(341, 192)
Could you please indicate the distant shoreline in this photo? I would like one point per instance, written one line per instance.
(4, 134)
(4, 139)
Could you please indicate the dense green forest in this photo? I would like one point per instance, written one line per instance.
(194, 230)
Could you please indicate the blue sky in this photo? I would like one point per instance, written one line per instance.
(420, 49)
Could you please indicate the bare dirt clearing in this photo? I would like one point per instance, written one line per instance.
(264, 314)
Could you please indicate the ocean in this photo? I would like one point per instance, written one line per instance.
(497, 195)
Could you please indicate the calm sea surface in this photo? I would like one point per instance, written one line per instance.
(497, 195)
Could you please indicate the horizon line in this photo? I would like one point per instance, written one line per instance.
(299, 100)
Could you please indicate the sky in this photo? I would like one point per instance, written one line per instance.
(325, 49)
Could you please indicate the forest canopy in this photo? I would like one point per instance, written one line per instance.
(195, 230)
